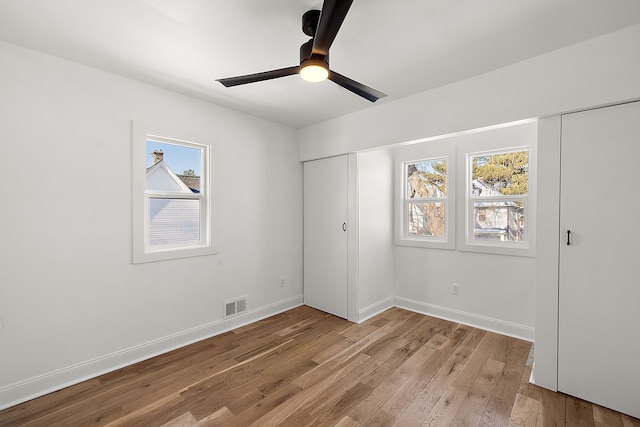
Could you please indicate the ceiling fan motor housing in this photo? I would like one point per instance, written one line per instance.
(306, 55)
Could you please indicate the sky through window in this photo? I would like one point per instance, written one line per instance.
(178, 158)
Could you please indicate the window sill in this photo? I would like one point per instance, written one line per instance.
(511, 249)
(431, 244)
(167, 254)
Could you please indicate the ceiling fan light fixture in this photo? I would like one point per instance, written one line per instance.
(322, 26)
(314, 71)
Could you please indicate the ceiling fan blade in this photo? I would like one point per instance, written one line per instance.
(331, 18)
(258, 77)
(355, 87)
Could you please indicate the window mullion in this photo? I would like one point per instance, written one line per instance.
(164, 195)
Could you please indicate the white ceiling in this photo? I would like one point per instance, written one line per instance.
(400, 47)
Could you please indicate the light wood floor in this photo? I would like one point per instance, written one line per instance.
(304, 367)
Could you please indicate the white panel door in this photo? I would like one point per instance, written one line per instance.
(599, 311)
(325, 235)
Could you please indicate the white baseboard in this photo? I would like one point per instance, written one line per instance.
(375, 308)
(477, 321)
(23, 391)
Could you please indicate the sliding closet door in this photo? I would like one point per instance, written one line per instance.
(325, 235)
(599, 312)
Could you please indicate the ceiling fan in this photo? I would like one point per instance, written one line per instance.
(322, 27)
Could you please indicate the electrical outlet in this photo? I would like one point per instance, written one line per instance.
(455, 289)
(281, 281)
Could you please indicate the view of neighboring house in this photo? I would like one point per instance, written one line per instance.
(171, 220)
(496, 220)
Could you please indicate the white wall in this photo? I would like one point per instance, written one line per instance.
(375, 249)
(600, 71)
(496, 292)
(71, 302)
(545, 371)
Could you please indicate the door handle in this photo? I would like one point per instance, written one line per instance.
(344, 226)
(568, 237)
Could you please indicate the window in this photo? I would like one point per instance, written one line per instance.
(425, 198)
(172, 196)
(498, 198)
(496, 192)
(425, 217)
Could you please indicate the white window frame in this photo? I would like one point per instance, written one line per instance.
(142, 250)
(424, 152)
(507, 139)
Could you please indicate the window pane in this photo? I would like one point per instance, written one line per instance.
(427, 179)
(173, 167)
(173, 221)
(502, 221)
(500, 174)
(182, 160)
(426, 219)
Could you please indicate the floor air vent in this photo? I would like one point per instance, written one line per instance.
(235, 307)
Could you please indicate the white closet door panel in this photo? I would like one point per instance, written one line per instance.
(325, 236)
(599, 311)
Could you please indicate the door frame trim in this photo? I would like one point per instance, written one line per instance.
(353, 238)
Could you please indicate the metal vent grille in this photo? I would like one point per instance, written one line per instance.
(235, 307)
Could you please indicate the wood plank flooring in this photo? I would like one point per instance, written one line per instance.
(307, 368)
